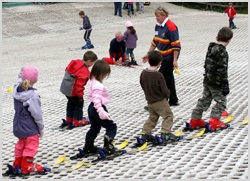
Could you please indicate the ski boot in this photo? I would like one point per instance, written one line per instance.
(127, 63)
(224, 114)
(85, 46)
(90, 45)
(145, 138)
(88, 149)
(13, 171)
(109, 147)
(215, 124)
(66, 122)
(28, 166)
(169, 137)
(78, 123)
(194, 124)
(133, 62)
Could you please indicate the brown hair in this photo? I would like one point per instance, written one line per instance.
(230, 4)
(162, 11)
(154, 58)
(81, 13)
(89, 55)
(132, 30)
(100, 70)
(225, 34)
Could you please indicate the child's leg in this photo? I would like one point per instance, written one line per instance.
(18, 153)
(132, 53)
(220, 105)
(203, 103)
(150, 124)
(69, 110)
(29, 152)
(127, 53)
(78, 113)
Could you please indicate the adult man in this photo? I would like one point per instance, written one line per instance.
(166, 40)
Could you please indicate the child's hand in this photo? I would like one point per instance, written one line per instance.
(41, 133)
(225, 89)
(81, 28)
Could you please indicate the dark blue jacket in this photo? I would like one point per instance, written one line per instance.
(116, 47)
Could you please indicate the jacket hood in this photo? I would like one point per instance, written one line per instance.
(22, 95)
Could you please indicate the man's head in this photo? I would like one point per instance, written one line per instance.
(118, 36)
(81, 14)
(161, 14)
(225, 34)
(154, 58)
(89, 58)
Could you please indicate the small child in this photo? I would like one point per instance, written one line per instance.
(156, 93)
(97, 111)
(28, 122)
(75, 78)
(231, 12)
(88, 28)
(130, 37)
(215, 83)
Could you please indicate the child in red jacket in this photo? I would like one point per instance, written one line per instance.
(231, 12)
(75, 78)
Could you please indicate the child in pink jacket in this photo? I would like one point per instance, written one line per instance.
(97, 111)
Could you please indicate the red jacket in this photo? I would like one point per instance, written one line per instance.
(75, 78)
(231, 12)
(130, 2)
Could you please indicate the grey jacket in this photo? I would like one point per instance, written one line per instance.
(28, 119)
(86, 23)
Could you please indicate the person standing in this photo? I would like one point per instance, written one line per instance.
(130, 8)
(118, 8)
(166, 40)
(88, 28)
(231, 12)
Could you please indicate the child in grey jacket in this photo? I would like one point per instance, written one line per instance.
(88, 28)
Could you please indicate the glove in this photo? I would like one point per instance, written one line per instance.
(41, 133)
(225, 89)
(81, 28)
(103, 114)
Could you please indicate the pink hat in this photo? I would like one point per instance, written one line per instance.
(30, 73)
(129, 24)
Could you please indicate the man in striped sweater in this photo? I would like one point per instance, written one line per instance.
(166, 40)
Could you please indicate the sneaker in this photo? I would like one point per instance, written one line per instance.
(197, 123)
(169, 137)
(215, 123)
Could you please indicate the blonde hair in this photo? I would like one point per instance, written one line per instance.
(118, 33)
(26, 84)
(162, 11)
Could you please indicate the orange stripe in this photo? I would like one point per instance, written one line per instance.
(175, 43)
(169, 51)
(162, 41)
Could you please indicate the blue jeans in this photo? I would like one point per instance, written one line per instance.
(97, 123)
(130, 51)
(74, 108)
(118, 7)
(231, 23)
(130, 8)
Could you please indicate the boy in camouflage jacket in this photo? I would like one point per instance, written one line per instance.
(215, 83)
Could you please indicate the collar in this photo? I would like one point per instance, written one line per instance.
(163, 23)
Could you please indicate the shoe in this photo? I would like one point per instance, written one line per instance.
(28, 166)
(109, 147)
(90, 148)
(89, 45)
(224, 114)
(197, 123)
(147, 138)
(135, 63)
(169, 137)
(146, 108)
(173, 104)
(120, 15)
(66, 122)
(85, 47)
(215, 123)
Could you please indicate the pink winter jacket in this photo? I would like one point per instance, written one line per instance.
(98, 94)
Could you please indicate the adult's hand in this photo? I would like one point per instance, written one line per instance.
(145, 58)
(120, 60)
(175, 64)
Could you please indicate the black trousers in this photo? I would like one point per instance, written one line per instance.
(74, 108)
(167, 70)
(87, 35)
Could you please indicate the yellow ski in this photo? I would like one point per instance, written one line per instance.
(245, 121)
(178, 133)
(142, 147)
(122, 145)
(79, 165)
(228, 119)
(200, 133)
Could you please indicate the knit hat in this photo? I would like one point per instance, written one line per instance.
(30, 73)
(129, 24)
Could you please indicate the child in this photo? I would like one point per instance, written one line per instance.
(97, 111)
(130, 37)
(156, 93)
(130, 8)
(75, 78)
(88, 28)
(215, 83)
(231, 12)
(28, 122)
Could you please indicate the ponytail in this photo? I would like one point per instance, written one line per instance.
(132, 30)
(25, 84)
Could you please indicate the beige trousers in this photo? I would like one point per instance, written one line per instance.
(157, 109)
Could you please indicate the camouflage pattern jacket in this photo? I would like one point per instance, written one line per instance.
(216, 65)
